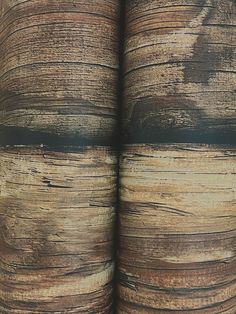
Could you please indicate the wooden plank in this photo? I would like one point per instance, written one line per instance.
(179, 72)
(59, 68)
(177, 229)
(56, 229)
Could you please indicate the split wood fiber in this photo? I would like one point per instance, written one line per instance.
(180, 65)
(59, 68)
(177, 229)
(56, 229)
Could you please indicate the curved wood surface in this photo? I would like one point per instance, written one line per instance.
(56, 230)
(179, 71)
(177, 229)
(59, 68)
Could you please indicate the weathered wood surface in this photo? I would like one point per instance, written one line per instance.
(56, 230)
(59, 68)
(178, 229)
(179, 68)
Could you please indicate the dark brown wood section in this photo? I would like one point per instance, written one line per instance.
(56, 229)
(59, 68)
(179, 71)
(177, 229)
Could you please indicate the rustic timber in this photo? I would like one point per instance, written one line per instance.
(179, 71)
(59, 69)
(177, 229)
(56, 229)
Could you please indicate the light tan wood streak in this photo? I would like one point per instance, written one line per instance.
(56, 238)
(177, 229)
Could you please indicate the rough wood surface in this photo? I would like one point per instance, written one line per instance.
(179, 68)
(59, 67)
(178, 229)
(56, 230)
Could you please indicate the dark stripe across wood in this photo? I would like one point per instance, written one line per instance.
(56, 229)
(179, 71)
(59, 67)
(177, 229)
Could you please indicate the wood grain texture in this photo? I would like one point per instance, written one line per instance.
(177, 229)
(180, 70)
(59, 67)
(56, 230)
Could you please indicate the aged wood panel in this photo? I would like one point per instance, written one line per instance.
(180, 71)
(59, 68)
(56, 229)
(177, 229)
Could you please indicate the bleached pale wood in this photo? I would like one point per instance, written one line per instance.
(179, 72)
(56, 229)
(59, 68)
(177, 229)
